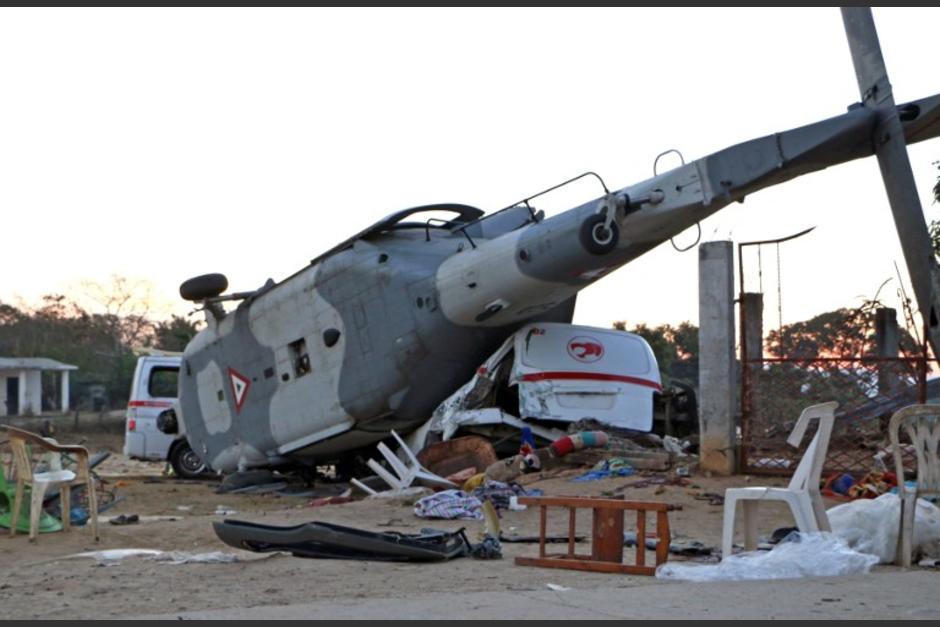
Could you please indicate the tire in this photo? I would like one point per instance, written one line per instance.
(203, 286)
(186, 464)
(595, 238)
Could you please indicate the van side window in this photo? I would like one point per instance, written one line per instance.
(162, 382)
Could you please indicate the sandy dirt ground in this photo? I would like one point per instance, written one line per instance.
(37, 582)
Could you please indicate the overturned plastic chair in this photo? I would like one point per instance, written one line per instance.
(406, 472)
(922, 424)
(801, 495)
(54, 476)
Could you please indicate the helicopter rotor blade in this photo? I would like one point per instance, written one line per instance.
(891, 150)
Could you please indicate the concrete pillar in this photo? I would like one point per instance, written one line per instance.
(717, 442)
(753, 305)
(3, 394)
(21, 391)
(65, 391)
(33, 392)
(752, 313)
(887, 344)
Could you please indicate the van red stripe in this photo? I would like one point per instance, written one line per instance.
(592, 376)
(150, 404)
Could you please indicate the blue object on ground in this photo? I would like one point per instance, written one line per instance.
(842, 484)
(78, 516)
(613, 467)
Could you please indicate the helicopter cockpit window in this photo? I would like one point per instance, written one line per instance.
(299, 357)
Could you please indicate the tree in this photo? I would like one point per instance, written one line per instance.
(174, 334)
(825, 360)
(102, 344)
(128, 306)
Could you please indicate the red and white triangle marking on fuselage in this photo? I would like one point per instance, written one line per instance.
(240, 385)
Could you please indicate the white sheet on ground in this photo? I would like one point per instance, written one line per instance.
(871, 526)
(813, 555)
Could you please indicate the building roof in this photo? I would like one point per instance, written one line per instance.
(33, 363)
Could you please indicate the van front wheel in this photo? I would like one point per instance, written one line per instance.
(186, 464)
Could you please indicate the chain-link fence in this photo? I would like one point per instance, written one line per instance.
(868, 390)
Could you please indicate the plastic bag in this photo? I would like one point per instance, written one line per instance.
(871, 526)
(809, 555)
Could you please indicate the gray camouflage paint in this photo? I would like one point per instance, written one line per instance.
(412, 315)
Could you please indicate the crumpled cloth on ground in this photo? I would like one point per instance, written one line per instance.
(450, 505)
(499, 493)
(613, 467)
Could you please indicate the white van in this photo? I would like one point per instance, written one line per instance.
(548, 374)
(153, 391)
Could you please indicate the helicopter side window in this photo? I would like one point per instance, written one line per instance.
(299, 358)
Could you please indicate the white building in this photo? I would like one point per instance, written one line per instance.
(21, 384)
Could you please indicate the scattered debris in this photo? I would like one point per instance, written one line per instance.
(408, 496)
(488, 547)
(452, 456)
(809, 555)
(263, 488)
(110, 555)
(688, 548)
(673, 445)
(561, 451)
(138, 519)
(557, 588)
(501, 494)
(655, 480)
(713, 498)
(462, 476)
(330, 500)
(222, 510)
(783, 535)
(613, 467)
(872, 485)
(181, 557)
(549, 539)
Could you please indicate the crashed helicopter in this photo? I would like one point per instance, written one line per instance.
(376, 332)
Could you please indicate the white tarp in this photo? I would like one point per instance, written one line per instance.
(871, 526)
(811, 555)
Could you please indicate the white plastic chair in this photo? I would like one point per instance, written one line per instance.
(801, 495)
(407, 471)
(922, 424)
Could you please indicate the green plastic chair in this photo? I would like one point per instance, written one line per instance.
(47, 522)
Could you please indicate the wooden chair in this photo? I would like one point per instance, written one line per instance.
(55, 475)
(801, 495)
(922, 424)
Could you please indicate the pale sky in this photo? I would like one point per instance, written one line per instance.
(164, 143)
